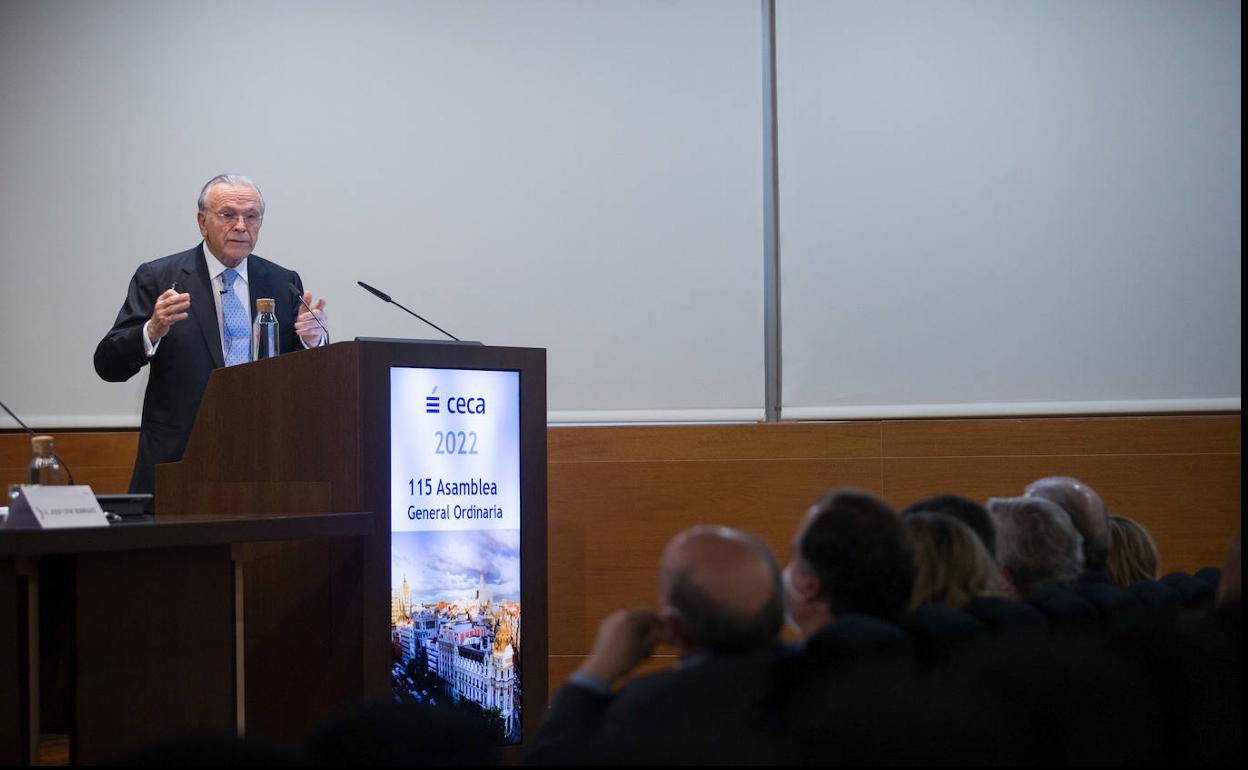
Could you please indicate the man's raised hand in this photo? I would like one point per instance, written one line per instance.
(171, 307)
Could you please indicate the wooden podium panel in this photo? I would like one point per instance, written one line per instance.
(275, 436)
(14, 746)
(154, 647)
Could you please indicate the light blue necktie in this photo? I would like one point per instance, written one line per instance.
(237, 329)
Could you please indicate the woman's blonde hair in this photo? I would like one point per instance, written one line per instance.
(1132, 552)
(953, 565)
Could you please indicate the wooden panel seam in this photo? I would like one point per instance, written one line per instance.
(663, 461)
(1059, 454)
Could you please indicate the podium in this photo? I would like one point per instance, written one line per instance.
(286, 484)
(310, 432)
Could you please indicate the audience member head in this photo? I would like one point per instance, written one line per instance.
(1037, 544)
(1086, 511)
(965, 510)
(720, 591)
(1132, 552)
(953, 565)
(850, 554)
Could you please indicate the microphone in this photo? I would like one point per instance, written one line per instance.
(295, 290)
(64, 464)
(381, 295)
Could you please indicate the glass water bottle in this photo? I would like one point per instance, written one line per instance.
(264, 343)
(45, 469)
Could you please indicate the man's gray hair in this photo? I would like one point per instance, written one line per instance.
(234, 180)
(1086, 511)
(1036, 542)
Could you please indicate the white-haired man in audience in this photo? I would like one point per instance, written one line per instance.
(1087, 512)
(1037, 544)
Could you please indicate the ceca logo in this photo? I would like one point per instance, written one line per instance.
(454, 404)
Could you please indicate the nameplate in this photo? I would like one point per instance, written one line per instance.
(55, 507)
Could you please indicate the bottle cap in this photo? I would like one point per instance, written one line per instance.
(265, 305)
(42, 445)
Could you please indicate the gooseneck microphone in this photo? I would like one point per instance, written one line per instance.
(295, 290)
(64, 464)
(381, 295)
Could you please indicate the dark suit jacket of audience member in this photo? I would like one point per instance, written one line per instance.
(187, 354)
(1067, 611)
(849, 643)
(938, 629)
(1195, 592)
(851, 637)
(1006, 616)
(856, 696)
(1094, 577)
(722, 709)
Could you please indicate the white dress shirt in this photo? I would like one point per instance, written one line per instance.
(216, 276)
(216, 269)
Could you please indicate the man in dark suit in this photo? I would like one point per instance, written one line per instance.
(721, 608)
(851, 556)
(189, 313)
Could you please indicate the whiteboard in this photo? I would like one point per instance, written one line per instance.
(584, 177)
(1009, 207)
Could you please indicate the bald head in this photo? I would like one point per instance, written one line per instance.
(724, 586)
(1086, 511)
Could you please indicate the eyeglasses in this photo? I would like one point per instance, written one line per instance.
(229, 217)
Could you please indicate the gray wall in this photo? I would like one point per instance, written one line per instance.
(1009, 207)
(985, 207)
(578, 176)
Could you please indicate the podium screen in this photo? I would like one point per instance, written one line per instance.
(455, 542)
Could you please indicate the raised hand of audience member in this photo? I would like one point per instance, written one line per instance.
(625, 638)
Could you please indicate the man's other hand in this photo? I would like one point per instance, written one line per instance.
(306, 326)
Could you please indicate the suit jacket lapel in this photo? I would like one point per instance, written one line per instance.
(203, 305)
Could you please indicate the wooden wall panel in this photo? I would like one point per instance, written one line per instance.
(1190, 503)
(609, 522)
(1199, 434)
(618, 493)
(103, 460)
(86, 449)
(626, 443)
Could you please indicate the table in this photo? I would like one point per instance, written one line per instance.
(157, 621)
